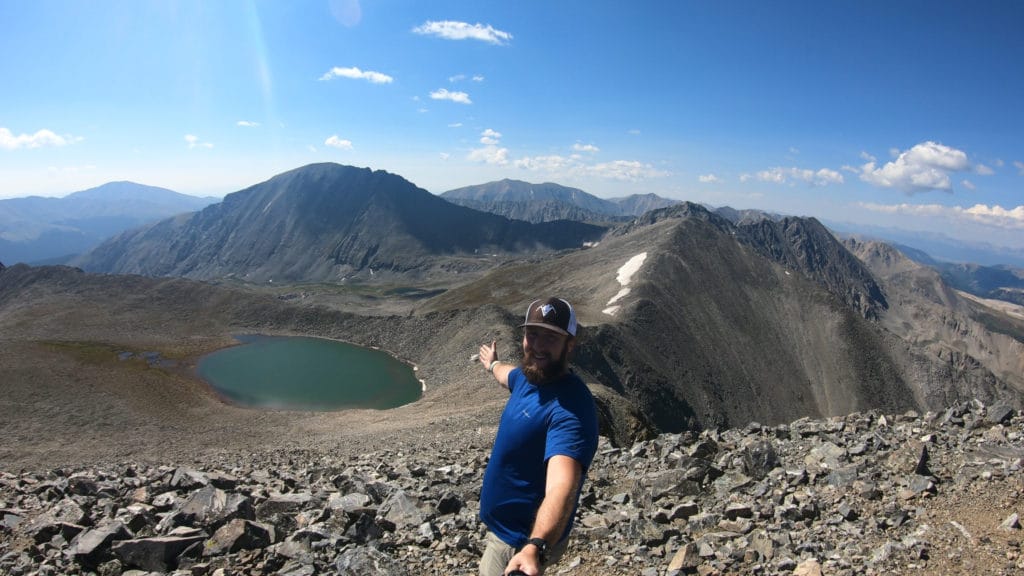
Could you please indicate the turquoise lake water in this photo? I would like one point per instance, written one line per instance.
(298, 373)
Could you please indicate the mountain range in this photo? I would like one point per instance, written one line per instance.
(37, 229)
(327, 222)
(546, 202)
(692, 318)
(937, 246)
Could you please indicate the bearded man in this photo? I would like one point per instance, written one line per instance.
(546, 441)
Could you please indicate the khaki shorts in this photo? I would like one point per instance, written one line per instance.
(497, 554)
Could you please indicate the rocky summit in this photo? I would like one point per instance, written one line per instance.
(867, 493)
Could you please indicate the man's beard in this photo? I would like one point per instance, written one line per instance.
(552, 371)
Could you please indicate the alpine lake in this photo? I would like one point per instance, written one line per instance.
(310, 374)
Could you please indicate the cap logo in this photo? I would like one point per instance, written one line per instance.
(547, 309)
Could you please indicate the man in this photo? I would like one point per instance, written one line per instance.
(545, 443)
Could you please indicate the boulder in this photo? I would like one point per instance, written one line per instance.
(157, 554)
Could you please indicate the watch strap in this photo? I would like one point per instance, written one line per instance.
(542, 547)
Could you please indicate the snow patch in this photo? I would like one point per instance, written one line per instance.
(624, 276)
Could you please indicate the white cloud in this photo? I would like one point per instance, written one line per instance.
(357, 74)
(461, 77)
(492, 152)
(708, 179)
(984, 170)
(574, 166)
(40, 139)
(776, 175)
(490, 137)
(585, 148)
(195, 142)
(968, 184)
(451, 30)
(444, 155)
(628, 170)
(780, 175)
(444, 94)
(247, 124)
(996, 216)
(926, 166)
(339, 143)
(1020, 166)
(455, 125)
(552, 163)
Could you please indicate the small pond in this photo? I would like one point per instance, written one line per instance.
(300, 373)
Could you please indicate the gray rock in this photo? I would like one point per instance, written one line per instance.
(158, 554)
(367, 562)
(239, 534)
(188, 479)
(212, 507)
(93, 546)
(759, 458)
(1012, 522)
(999, 414)
(402, 510)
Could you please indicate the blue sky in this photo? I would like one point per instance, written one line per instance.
(896, 113)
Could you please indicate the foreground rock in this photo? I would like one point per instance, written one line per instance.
(939, 493)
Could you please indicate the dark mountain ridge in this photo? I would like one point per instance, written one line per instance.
(769, 321)
(327, 222)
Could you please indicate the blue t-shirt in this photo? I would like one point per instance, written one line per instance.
(555, 419)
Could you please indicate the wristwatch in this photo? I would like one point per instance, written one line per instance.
(542, 547)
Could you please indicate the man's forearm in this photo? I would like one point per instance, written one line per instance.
(555, 510)
(552, 517)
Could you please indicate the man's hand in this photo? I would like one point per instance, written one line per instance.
(488, 353)
(488, 356)
(526, 561)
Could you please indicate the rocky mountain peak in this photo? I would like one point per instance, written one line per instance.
(681, 211)
(806, 245)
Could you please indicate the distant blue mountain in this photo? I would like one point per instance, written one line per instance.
(937, 246)
(548, 202)
(38, 230)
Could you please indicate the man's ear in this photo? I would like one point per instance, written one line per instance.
(570, 344)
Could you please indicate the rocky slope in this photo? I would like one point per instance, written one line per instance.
(868, 493)
(720, 324)
(981, 348)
